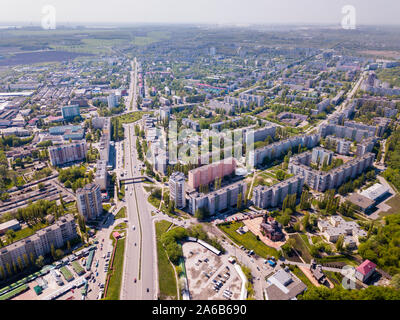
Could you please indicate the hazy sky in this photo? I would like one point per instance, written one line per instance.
(201, 11)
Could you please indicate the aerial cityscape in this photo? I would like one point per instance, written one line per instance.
(199, 161)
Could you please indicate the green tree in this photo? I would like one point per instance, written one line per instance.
(340, 243)
(39, 262)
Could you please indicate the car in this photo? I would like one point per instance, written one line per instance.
(134, 280)
(133, 227)
(148, 290)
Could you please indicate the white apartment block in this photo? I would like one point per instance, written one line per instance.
(277, 149)
(324, 180)
(217, 200)
(273, 196)
(39, 244)
(66, 153)
(177, 189)
(88, 200)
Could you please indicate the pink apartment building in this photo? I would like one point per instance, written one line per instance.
(206, 174)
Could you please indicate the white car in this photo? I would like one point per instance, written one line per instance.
(133, 227)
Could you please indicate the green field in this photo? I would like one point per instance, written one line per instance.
(131, 117)
(114, 286)
(66, 273)
(394, 203)
(26, 232)
(121, 213)
(248, 240)
(166, 275)
(302, 247)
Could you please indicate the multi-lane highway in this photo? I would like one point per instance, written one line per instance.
(140, 261)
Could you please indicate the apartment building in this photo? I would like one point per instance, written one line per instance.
(177, 189)
(194, 125)
(319, 155)
(101, 177)
(218, 105)
(273, 196)
(206, 174)
(277, 149)
(105, 140)
(67, 153)
(259, 100)
(323, 105)
(324, 180)
(348, 130)
(165, 113)
(112, 101)
(70, 112)
(342, 145)
(237, 102)
(217, 200)
(251, 136)
(88, 200)
(365, 146)
(39, 244)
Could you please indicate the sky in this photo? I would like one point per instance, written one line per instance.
(368, 12)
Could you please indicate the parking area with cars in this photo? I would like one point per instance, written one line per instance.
(210, 277)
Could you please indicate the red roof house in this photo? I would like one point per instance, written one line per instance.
(365, 270)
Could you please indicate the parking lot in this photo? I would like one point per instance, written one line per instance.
(210, 277)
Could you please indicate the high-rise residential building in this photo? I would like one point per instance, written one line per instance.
(101, 177)
(67, 153)
(218, 200)
(277, 149)
(334, 178)
(88, 201)
(39, 244)
(177, 189)
(112, 101)
(204, 175)
(273, 196)
(70, 112)
(165, 113)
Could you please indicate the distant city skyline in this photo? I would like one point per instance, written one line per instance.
(26, 12)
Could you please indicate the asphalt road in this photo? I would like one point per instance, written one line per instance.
(140, 262)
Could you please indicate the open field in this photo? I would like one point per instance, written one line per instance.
(166, 275)
(248, 240)
(394, 203)
(114, 286)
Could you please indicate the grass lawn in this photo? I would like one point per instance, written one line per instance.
(248, 240)
(338, 258)
(302, 247)
(131, 116)
(121, 213)
(166, 275)
(26, 232)
(154, 201)
(300, 274)
(394, 203)
(114, 286)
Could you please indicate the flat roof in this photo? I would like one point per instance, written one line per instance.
(376, 191)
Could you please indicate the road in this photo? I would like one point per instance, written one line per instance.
(131, 101)
(342, 105)
(140, 260)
